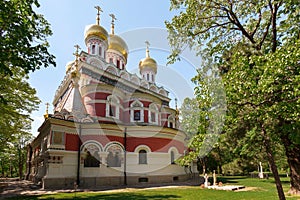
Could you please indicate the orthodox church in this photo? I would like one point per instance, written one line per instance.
(109, 126)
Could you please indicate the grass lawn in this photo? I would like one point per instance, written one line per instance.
(259, 189)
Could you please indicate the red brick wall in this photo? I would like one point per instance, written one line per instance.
(155, 144)
(71, 143)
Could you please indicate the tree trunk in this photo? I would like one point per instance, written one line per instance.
(20, 163)
(267, 144)
(220, 169)
(292, 152)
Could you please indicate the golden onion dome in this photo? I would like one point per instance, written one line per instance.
(148, 62)
(116, 43)
(69, 66)
(95, 30)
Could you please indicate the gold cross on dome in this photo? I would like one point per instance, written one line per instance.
(98, 14)
(147, 48)
(147, 44)
(113, 18)
(77, 50)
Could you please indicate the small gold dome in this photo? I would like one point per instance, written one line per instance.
(95, 30)
(148, 62)
(69, 66)
(117, 43)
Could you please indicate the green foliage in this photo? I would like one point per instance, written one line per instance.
(23, 35)
(203, 118)
(255, 45)
(215, 26)
(190, 117)
(18, 101)
(23, 49)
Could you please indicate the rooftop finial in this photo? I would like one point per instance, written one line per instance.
(113, 18)
(147, 48)
(46, 115)
(76, 54)
(176, 114)
(74, 72)
(98, 14)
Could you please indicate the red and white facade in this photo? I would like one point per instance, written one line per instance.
(109, 127)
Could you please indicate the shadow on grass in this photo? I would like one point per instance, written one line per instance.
(228, 179)
(112, 196)
(282, 182)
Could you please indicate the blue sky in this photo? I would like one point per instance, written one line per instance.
(137, 21)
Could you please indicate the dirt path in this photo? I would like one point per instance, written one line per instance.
(15, 187)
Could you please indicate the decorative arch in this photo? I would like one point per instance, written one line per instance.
(142, 151)
(135, 79)
(136, 111)
(110, 144)
(71, 118)
(92, 145)
(142, 146)
(153, 114)
(124, 75)
(173, 152)
(58, 115)
(95, 62)
(173, 149)
(163, 92)
(92, 151)
(115, 154)
(171, 121)
(87, 120)
(112, 70)
(153, 88)
(145, 84)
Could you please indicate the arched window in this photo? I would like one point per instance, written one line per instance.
(142, 156)
(100, 51)
(118, 64)
(93, 49)
(171, 121)
(92, 160)
(136, 112)
(92, 157)
(172, 157)
(148, 79)
(112, 107)
(153, 114)
(114, 156)
(113, 159)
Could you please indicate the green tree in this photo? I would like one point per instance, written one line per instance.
(202, 119)
(190, 118)
(19, 100)
(263, 90)
(254, 37)
(23, 35)
(23, 49)
(194, 123)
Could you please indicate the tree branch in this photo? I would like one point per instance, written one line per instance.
(257, 24)
(214, 26)
(233, 18)
(274, 28)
